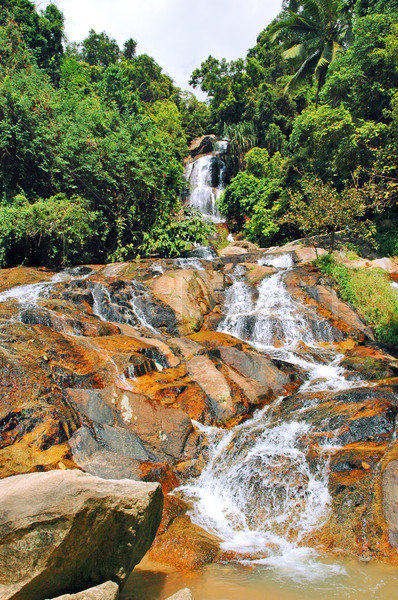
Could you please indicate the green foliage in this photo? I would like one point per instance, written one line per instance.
(172, 234)
(364, 77)
(254, 200)
(241, 137)
(315, 36)
(102, 150)
(371, 294)
(99, 49)
(57, 231)
(321, 209)
(334, 143)
(257, 162)
(40, 33)
(195, 116)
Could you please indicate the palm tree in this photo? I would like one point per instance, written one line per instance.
(318, 36)
(241, 137)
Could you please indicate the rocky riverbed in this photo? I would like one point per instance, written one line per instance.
(123, 371)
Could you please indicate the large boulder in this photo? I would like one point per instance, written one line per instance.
(130, 425)
(190, 293)
(64, 531)
(105, 591)
(202, 145)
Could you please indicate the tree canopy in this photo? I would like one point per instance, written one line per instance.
(92, 141)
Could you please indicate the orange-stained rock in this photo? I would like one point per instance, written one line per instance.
(173, 507)
(161, 473)
(22, 276)
(370, 363)
(256, 273)
(185, 546)
(213, 339)
(190, 293)
(232, 249)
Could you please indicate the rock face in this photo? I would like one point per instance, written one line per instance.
(185, 546)
(191, 295)
(105, 591)
(66, 531)
(202, 145)
(390, 501)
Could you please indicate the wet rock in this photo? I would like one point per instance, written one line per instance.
(53, 526)
(105, 591)
(202, 145)
(184, 594)
(185, 546)
(370, 363)
(131, 425)
(203, 252)
(375, 427)
(140, 365)
(256, 368)
(328, 298)
(190, 294)
(390, 501)
(256, 273)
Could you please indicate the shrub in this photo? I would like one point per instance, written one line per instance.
(53, 232)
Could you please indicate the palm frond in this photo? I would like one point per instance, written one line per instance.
(307, 67)
(293, 22)
(296, 51)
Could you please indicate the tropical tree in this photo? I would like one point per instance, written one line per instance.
(241, 137)
(316, 36)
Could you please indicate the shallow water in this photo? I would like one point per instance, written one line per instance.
(321, 580)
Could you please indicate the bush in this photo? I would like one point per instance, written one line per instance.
(370, 293)
(54, 232)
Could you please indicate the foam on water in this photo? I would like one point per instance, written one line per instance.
(189, 263)
(279, 261)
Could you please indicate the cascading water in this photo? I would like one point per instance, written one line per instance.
(206, 179)
(259, 492)
(130, 311)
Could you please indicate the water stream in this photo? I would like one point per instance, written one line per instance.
(205, 176)
(259, 492)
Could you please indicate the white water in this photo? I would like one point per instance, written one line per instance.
(106, 310)
(189, 263)
(258, 492)
(32, 292)
(203, 195)
(279, 261)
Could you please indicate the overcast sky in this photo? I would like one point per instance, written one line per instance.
(178, 34)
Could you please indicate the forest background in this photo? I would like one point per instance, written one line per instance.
(93, 137)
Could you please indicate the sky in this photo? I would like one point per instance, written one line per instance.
(178, 34)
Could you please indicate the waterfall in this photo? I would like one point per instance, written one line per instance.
(206, 179)
(275, 319)
(259, 492)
